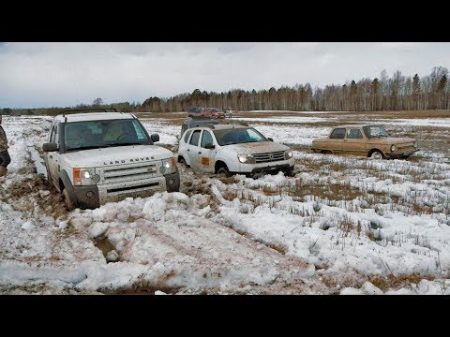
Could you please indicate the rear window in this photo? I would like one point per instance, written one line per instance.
(338, 133)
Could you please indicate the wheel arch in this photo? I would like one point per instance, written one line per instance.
(375, 150)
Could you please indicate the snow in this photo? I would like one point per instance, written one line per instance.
(287, 119)
(275, 234)
(167, 133)
(434, 122)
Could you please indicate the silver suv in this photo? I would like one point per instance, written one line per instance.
(94, 158)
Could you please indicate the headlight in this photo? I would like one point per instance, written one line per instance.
(246, 158)
(393, 148)
(169, 165)
(82, 176)
(288, 154)
(415, 144)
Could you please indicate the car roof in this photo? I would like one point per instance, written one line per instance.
(352, 126)
(222, 126)
(93, 116)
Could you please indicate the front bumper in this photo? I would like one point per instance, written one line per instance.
(173, 182)
(92, 196)
(402, 154)
(273, 169)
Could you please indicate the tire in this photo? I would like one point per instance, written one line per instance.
(182, 161)
(70, 204)
(376, 155)
(289, 173)
(224, 170)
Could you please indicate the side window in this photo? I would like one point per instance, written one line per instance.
(186, 136)
(338, 134)
(195, 137)
(56, 140)
(52, 134)
(354, 134)
(206, 139)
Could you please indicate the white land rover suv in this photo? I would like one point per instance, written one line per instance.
(93, 158)
(233, 148)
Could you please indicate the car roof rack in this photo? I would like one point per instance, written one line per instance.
(77, 110)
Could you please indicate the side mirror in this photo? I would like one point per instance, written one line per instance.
(270, 139)
(178, 137)
(154, 138)
(210, 146)
(50, 147)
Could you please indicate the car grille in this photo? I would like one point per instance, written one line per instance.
(129, 173)
(268, 157)
(405, 147)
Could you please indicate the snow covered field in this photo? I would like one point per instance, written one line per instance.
(342, 225)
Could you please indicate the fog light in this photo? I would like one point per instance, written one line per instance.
(90, 194)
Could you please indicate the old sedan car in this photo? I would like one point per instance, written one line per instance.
(371, 141)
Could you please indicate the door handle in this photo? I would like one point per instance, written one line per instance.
(188, 150)
(199, 152)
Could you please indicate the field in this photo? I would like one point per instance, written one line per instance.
(341, 225)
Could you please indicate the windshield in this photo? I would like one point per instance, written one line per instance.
(104, 133)
(238, 136)
(375, 131)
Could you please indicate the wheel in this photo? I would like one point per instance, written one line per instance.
(224, 170)
(289, 173)
(70, 205)
(376, 155)
(182, 161)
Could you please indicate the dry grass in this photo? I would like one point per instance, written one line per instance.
(396, 282)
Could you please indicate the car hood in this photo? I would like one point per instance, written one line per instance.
(391, 140)
(119, 155)
(260, 147)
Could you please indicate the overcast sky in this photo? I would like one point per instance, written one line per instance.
(67, 74)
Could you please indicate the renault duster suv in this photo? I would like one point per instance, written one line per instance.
(94, 158)
(233, 148)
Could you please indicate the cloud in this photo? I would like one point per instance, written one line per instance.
(63, 74)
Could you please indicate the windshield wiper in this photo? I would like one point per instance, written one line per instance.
(124, 144)
(86, 148)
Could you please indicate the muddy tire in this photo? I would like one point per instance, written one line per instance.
(182, 161)
(224, 170)
(70, 204)
(376, 155)
(289, 173)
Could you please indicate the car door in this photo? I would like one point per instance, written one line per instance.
(52, 158)
(193, 149)
(354, 141)
(206, 152)
(336, 141)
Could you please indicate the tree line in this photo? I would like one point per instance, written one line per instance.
(397, 92)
